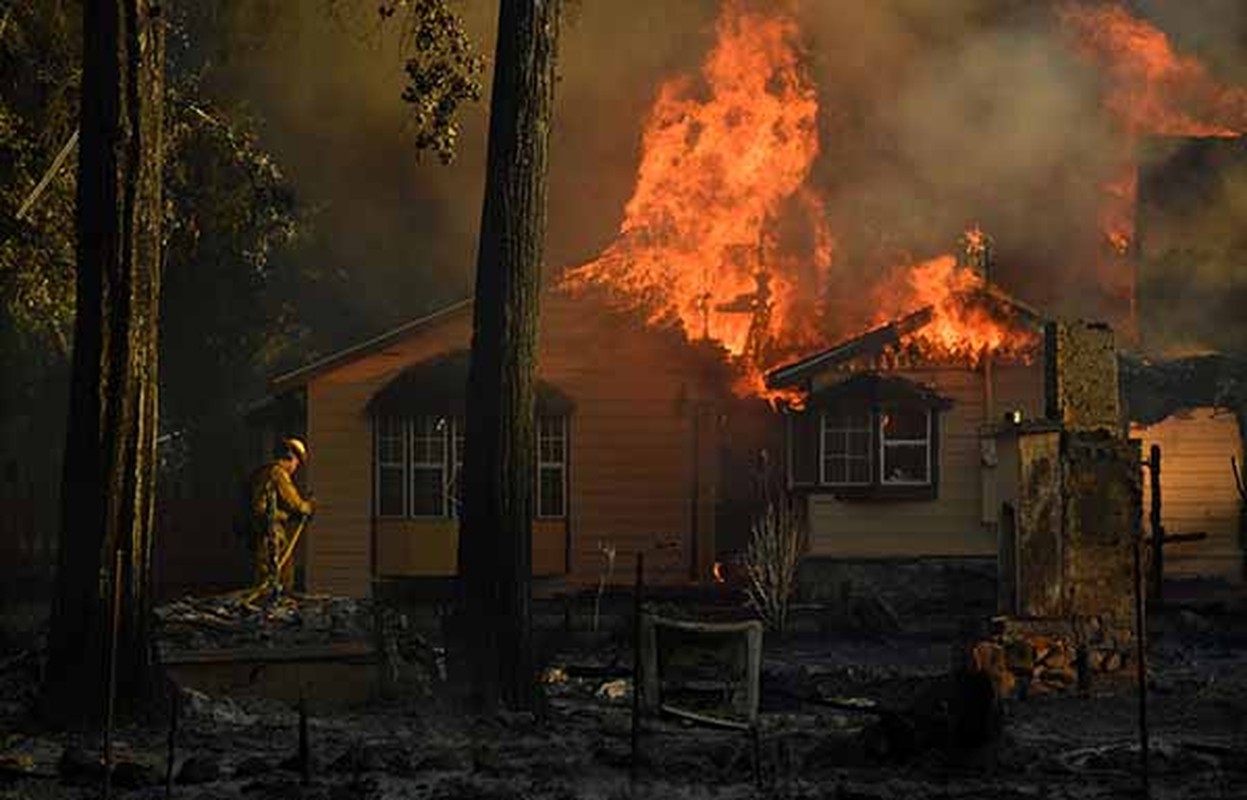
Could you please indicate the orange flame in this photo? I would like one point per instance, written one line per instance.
(965, 324)
(724, 155)
(1149, 89)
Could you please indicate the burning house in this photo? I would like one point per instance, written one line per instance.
(721, 290)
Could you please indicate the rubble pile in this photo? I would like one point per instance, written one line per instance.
(229, 622)
(1029, 658)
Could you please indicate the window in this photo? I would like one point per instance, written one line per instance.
(428, 466)
(551, 466)
(846, 448)
(391, 468)
(419, 466)
(862, 450)
(905, 446)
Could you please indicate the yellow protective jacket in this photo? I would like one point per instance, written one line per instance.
(272, 478)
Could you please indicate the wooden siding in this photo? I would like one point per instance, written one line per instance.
(630, 456)
(952, 523)
(1197, 490)
(429, 547)
(339, 558)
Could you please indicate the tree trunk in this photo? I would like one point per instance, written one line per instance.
(495, 545)
(109, 470)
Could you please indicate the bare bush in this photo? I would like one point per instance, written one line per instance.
(776, 544)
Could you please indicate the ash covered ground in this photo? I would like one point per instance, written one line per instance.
(1074, 744)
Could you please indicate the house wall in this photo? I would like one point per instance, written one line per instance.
(1197, 490)
(631, 464)
(338, 555)
(430, 547)
(953, 524)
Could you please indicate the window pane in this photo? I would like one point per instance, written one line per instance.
(551, 439)
(858, 470)
(905, 463)
(390, 441)
(550, 492)
(427, 496)
(390, 491)
(904, 423)
(428, 440)
(859, 445)
(834, 470)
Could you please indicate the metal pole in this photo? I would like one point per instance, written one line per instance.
(110, 701)
(1140, 636)
(1158, 529)
(636, 662)
(174, 703)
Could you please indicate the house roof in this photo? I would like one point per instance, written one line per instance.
(1156, 389)
(307, 372)
(439, 385)
(875, 388)
(875, 340)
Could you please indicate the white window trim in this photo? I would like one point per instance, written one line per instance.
(428, 465)
(403, 433)
(561, 465)
(451, 459)
(884, 442)
(822, 453)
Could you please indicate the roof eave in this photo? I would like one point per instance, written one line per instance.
(302, 375)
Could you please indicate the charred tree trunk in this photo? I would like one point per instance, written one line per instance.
(495, 545)
(109, 470)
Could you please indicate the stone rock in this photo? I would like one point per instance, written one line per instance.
(1057, 659)
(1020, 655)
(988, 658)
(199, 769)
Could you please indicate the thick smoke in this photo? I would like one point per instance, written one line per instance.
(934, 116)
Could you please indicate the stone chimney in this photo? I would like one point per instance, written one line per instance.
(1081, 376)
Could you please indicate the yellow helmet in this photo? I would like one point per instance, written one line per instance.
(296, 447)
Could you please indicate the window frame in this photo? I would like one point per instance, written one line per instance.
(848, 456)
(379, 465)
(450, 468)
(443, 425)
(543, 464)
(885, 442)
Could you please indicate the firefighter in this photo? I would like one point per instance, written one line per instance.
(275, 502)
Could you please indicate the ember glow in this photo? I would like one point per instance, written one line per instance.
(725, 154)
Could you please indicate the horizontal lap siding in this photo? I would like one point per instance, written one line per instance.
(340, 475)
(430, 547)
(1197, 490)
(340, 437)
(630, 455)
(631, 445)
(949, 525)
